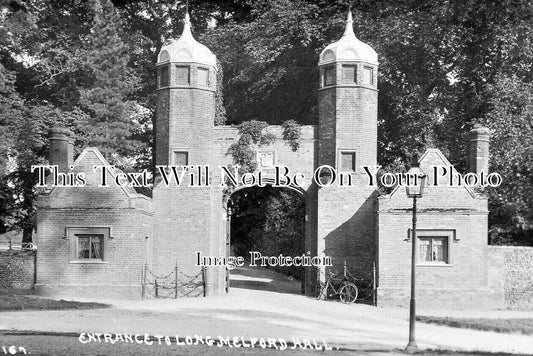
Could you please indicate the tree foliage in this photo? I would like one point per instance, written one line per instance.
(242, 151)
(292, 132)
(510, 118)
(105, 95)
(444, 66)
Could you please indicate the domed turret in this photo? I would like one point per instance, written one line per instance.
(348, 48)
(186, 49)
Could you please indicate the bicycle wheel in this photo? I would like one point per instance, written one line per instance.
(348, 293)
(323, 294)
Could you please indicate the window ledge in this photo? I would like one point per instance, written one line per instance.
(434, 265)
(89, 262)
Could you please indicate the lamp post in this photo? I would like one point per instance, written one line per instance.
(416, 181)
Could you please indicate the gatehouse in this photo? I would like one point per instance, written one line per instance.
(95, 240)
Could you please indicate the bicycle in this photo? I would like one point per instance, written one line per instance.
(347, 291)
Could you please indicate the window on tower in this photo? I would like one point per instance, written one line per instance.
(349, 74)
(163, 76)
(183, 75)
(329, 76)
(368, 75)
(203, 77)
(180, 158)
(347, 161)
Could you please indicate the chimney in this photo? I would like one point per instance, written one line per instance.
(61, 149)
(478, 150)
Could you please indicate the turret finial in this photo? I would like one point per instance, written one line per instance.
(187, 25)
(349, 25)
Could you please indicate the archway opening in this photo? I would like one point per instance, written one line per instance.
(267, 229)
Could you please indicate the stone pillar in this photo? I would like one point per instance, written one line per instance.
(61, 149)
(478, 150)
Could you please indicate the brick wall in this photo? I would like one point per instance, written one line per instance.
(124, 215)
(118, 275)
(17, 269)
(190, 219)
(303, 160)
(511, 274)
(463, 281)
(187, 219)
(346, 227)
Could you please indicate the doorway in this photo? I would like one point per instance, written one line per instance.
(267, 228)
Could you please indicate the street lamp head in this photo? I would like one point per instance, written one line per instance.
(416, 179)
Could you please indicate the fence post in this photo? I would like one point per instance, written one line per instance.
(156, 289)
(143, 276)
(374, 291)
(318, 284)
(34, 269)
(176, 280)
(344, 270)
(203, 279)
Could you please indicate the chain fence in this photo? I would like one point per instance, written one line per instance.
(172, 285)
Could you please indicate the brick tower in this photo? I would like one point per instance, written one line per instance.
(186, 218)
(347, 141)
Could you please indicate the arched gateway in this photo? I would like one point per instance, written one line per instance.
(339, 220)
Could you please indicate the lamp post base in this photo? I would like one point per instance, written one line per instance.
(411, 348)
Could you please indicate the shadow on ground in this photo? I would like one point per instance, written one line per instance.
(257, 278)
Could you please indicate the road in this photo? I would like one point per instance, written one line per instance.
(248, 314)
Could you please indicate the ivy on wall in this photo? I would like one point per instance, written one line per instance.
(220, 110)
(251, 133)
(292, 133)
(242, 152)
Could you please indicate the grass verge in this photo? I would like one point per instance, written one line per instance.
(27, 302)
(522, 326)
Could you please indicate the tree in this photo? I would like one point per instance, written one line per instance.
(30, 105)
(510, 118)
(269, 62)
(444, 65)
(109, 125)
(10, 108)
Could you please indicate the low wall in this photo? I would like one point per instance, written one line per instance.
(511, 270)
(17, 269)
(441, 298)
